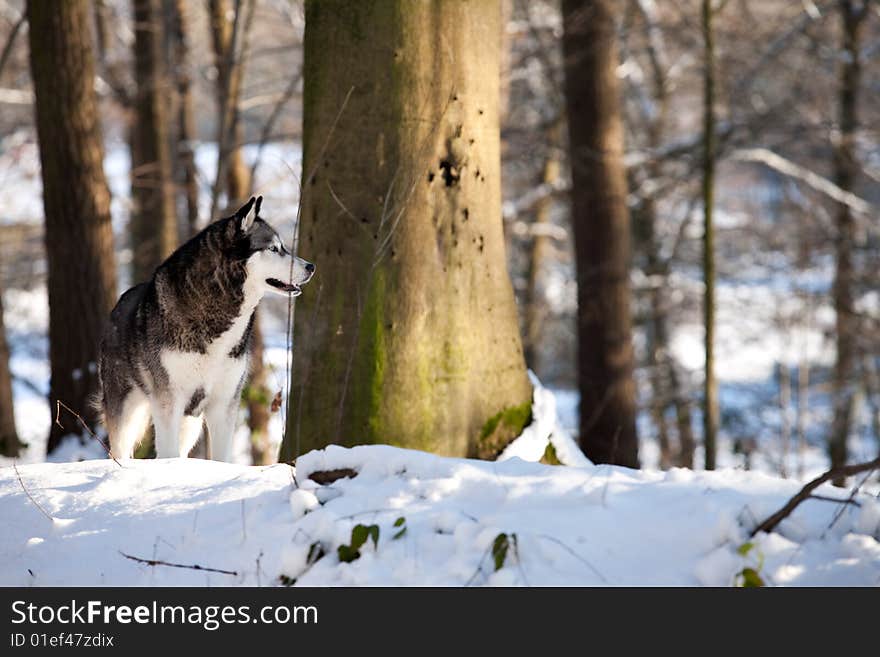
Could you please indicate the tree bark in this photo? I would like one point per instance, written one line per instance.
(409, 333)
(845, 171)
(710, 384)
(602, 233)
(76, 199)
(9, 442)
(154, 217)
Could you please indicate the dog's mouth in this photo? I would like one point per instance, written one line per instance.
(284, 287)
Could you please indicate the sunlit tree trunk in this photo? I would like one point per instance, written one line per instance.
(409, 334)
(710, 385)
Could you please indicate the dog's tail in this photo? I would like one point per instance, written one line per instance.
(96, 400)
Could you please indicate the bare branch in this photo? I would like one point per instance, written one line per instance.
(10, 42)
(59, 405)
(270, 123)
(823, 185)
(805, 493)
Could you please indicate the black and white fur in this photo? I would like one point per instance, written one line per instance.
(176, 348)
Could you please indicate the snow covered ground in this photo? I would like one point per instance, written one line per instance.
(436, 521)
(571, 525)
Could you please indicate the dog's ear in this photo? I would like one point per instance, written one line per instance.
(245, 217)
(257, 206)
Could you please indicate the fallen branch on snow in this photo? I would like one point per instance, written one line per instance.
(156, 562)
(805, 493)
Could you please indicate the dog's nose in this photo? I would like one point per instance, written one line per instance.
(310, 268)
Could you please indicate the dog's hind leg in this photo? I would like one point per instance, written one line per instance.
(190, 430)
(128, 428)
(167, 419)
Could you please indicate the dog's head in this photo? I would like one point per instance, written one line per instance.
(268, 260)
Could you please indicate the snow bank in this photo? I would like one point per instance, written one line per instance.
(438, 521)
(544, 429)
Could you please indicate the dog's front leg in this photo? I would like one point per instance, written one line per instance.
(221, 429)
(167, 418)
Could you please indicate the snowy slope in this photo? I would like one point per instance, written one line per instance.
(589, 525)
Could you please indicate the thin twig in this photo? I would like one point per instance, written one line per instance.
(157, 562)
(575, 555)
(59, 404)
(805, 493)
(28, 493)
(270, 125)
(850, 499)
(836, 500)
(479, 566)
(10, 42)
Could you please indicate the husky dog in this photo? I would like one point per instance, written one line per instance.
(176, 347)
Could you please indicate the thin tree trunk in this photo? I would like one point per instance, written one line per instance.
(258, 400)
(79, 237)
(710, 385)
(9, 442)
(535, 304)
(803, 395)
(154, 217)
(845, 172)
(409, 333)
(683, 418)
(229, 59)
(235, 174)
(666, 382)
(785, 413)
(185, 160)
(602, 233)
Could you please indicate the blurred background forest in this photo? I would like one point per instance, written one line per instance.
(756, 118)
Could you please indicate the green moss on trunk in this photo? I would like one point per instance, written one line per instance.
(500, 429)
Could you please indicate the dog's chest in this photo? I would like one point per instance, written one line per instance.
(217, 371)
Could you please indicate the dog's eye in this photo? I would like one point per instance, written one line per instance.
(273, 249)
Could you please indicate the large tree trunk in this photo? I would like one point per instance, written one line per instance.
(9, 442)
(845, 172)
(710, 385)
(186, 175)
(79, 237)
(409, 333)
(154, 217)
(602, 233)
